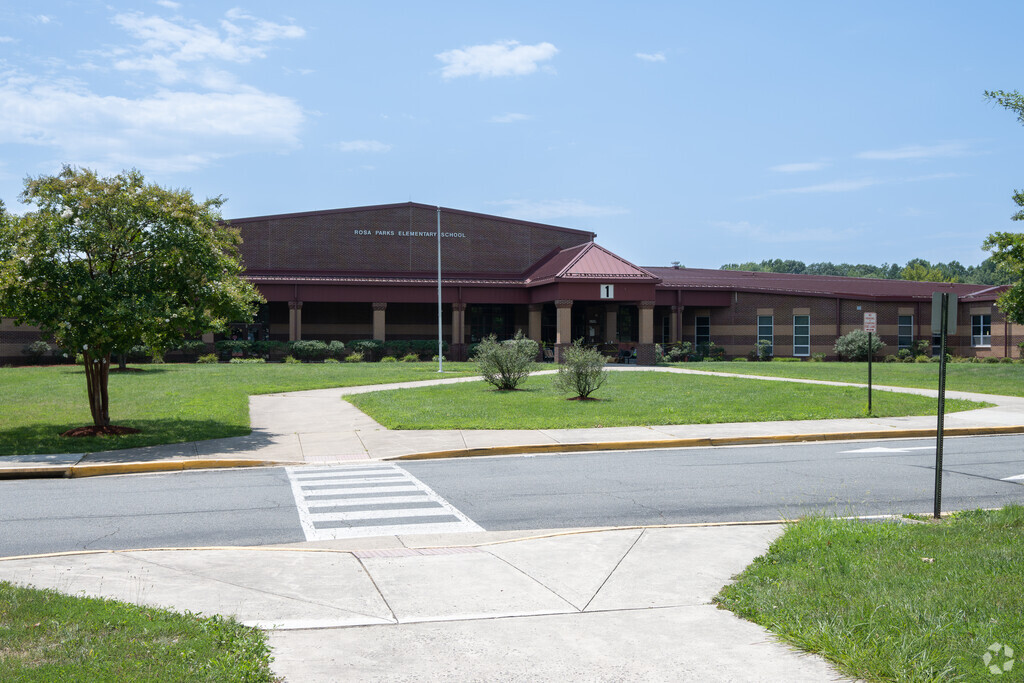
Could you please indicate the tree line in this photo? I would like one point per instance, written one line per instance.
(986, 273)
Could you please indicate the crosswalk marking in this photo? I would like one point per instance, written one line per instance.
(356, 501)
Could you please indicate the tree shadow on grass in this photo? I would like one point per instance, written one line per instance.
(45, 438)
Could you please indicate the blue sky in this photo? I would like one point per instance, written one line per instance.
(703, 133)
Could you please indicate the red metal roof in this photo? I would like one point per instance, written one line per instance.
(816, 285)
(587, 260)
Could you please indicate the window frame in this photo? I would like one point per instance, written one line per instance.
(904, 340)
(697, 340)
(770, 335)
(801, 350)
(979, 324)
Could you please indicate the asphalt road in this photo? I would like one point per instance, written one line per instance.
(258, 507)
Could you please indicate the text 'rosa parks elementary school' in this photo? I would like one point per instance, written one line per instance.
(372, 273)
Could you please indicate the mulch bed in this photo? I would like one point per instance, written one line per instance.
(93, 430)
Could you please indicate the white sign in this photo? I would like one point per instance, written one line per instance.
(870, 322)
(607, 291)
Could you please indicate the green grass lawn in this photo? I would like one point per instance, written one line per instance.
(46, 636)
(894, 602)
(1003, 379)
(632, 398)
(170, 403)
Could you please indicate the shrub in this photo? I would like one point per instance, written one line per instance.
(740, 359)
(36, 350)
(79, 359)
(388, 359)
(409, 358)
(247, 361)
(208, 358)
(355, 357)
(854, 345)
(990, 359)
(367, 348)
(506, 364)
(817, 358)
(139, 353)
(191, 347)
(921, 359)
(229, 347)
(891, 358)
(787, 359)
(921, 347)
(269, 349)
(435, 358)
(308, 349)
(291, 360)
(1007, 359)
(581, 372)
(336, 349)
(763, 350)
(331, 360)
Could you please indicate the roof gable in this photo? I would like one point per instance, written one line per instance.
(588, 261)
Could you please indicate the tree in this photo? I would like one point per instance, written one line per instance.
(102, 264)
(1008, 247)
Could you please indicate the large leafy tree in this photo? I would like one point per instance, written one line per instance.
(104, 263)
(1008, 247)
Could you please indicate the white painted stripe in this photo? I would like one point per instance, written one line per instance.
(409, 487)
(313, 505)
(377, 514)
(391, 530)
(346, 477)
(1016, 477)
(350, 482)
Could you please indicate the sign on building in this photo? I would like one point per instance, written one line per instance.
(607, 291)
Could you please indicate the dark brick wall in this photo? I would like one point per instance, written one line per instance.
(377, 240)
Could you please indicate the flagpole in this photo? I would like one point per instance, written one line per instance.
(440, 326)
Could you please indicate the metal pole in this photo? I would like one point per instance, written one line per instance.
(440, 324)
(870, 354)
(942, 407)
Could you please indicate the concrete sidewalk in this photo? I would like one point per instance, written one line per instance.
(626, 604)
(318, 427)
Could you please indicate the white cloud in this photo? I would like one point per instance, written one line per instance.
(363, 146)
(169, 48)
(550, 209)
(167, 131)
(946, 149)
(834, 186)
(762, 233)
(164, 127)
(651, 57)
(799, 167)
(503, 58)
(510, 117)
(43, 19)
(6, 39)
(169, 4)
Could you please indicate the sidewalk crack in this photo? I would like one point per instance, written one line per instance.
(614, 569)
(537, 581)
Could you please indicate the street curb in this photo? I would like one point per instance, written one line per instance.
(705, 442)
(100, 469)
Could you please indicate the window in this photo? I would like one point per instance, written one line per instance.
(766, 331)
(801, 335)
(905, 332)
(981, 330)
(702, 330)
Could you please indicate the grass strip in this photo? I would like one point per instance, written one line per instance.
(170, 403)
(1001, 379)
(47, 636)
(632, 399)
(895, 602)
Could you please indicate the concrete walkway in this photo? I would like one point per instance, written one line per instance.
(318, 427)
(613, 605)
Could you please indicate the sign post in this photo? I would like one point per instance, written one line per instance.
(945, 305)
(870, 326)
